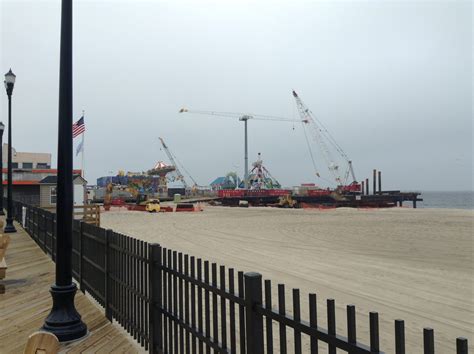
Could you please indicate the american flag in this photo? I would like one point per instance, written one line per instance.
(78, 128)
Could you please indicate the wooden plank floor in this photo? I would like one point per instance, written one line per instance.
(27, 302)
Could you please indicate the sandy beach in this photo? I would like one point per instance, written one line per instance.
(415, 265)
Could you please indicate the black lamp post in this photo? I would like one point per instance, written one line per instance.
(64, 320)
(9, 83)
(2, 129)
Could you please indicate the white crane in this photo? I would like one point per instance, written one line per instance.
(328, 146)
(174, 161)
(244, 117)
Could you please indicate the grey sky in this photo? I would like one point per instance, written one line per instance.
(392, 81)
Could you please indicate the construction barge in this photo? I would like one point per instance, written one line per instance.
(386, 199)
(355, 195)
(260, 188)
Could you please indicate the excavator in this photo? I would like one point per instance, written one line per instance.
(144, 201)
(140, 198)
(108, 195)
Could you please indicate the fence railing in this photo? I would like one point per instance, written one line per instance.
(89, 213)
(175, 303)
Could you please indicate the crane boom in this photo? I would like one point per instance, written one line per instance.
(171, 158)
(327, 144)
(240, 116)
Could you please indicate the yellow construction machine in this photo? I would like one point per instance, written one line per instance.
(153, 205)
(285, 201)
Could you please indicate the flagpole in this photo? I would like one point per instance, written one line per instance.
(82, 152)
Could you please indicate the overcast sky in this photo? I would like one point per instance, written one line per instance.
(392, 81)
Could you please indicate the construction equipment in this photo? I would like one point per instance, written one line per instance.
(141, 197)
(108, 195)
(328, 146)
(153, 206)
(174, 161)
(285, 201)
(244, 118)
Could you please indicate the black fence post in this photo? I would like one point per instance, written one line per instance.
(331, 314)
(28, 223)
(253, 320)
(54, 238)
(154, 310)
(399, 337)
(351, 326)
(28, 219)
(108, 312)
(81, 264)
(428, 341)
(461, 345)
(374, 332)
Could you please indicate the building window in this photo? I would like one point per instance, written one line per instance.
(42, 166)
(14, 164)
(28, 165)
(53, 195)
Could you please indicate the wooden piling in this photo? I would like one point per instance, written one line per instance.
(380, 182)
(362, 190)
(374, 190)
(367, 186)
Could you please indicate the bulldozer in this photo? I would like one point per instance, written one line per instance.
(285, 201)
(153, 205)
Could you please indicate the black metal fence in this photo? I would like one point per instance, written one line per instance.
(174, 303)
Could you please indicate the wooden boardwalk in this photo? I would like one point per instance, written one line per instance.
(27, 302)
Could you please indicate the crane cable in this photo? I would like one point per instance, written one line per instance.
(329, 136)
(313, 160)
(298, 102)
(310, 151)
(323, 133)
(307, 142)
(184, 168)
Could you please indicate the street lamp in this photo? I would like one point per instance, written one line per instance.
(9, 83)
(2, 128)
(64, 321)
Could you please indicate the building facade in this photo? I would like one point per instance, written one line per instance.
(27, 160)
(28, 169)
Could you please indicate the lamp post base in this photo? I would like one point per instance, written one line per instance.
(63, 320)
(9, 227)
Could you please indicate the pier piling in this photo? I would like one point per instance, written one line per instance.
(375, 182)
(380, 182)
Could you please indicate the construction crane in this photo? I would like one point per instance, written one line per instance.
(174, 161)
(244, 117)
(327, 144)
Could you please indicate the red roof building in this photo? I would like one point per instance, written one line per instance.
(26, 187)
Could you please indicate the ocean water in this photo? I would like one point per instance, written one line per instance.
(450, 200)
